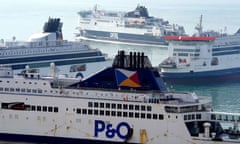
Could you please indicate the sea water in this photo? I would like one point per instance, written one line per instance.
(21, 18)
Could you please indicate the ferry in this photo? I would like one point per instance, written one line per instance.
(203, 58)
(135, 27)
(47, 47)
(125, 103)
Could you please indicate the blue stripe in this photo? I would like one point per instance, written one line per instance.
(226, 51)
(39, 64)
(48, 57)
(123, 37)
(226, 48)
(50, 140)
(202, 77)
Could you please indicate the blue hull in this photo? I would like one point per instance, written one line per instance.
(202, 77)
(123, 37)
(50, 140)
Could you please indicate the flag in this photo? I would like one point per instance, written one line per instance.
(127, 78)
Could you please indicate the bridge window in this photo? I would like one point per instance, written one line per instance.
(198, 116)
(193, 116)
(219, 117)
(171, 109)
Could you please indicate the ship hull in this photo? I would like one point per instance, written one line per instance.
(201, 77)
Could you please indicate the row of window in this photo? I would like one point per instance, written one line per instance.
(186, 54)
(119, 114)
(225, 117)
(24, 90)
(21, 90)
(24, 82)
(192, 117)
(28, 51)
(119, 106)
(213, 117)
(22, 106)
(186, 50)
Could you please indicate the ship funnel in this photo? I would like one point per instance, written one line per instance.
(133, 60)
(54, 26)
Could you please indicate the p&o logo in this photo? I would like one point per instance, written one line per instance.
(121, 130)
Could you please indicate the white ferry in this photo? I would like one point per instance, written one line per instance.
(134, 27)
(47, 47)
(202, 58)
(125, 103)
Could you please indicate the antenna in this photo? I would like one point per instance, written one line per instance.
(199, 27)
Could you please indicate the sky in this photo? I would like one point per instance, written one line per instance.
(25, 17)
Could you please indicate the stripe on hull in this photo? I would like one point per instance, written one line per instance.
(47, 58)
(202, 77)
(51, 140)
(58, 63)
(123, 37)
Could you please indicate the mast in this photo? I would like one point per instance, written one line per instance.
(199, 27)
